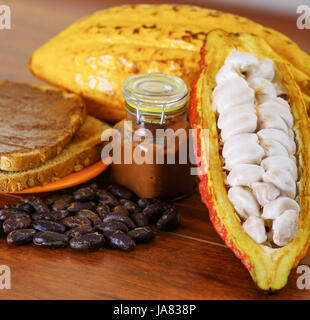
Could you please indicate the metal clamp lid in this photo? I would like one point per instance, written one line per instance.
(156, 93)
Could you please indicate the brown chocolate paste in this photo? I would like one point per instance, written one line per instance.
(32, 118)
(157, 180)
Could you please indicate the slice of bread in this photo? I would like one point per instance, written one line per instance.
(37, 122)
(82, 151)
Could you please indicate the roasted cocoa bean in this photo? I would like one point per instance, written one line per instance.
(59, 215)
(144, 202)
(77, 206)
(12, 224)
(49, 200)
(10, 209)
(140, 219)
(45, 225)
(153, 211)
(120, 210)
(25, 207)
(42, 216)
(120, 240)
(84, 194)
(52, 216)
(112, 225)
(78, 231)
(92, 216)
(12, 213)
(94, 186)
(141, 235)
(37, 204)
(107, 198)
(121, 218)
(73, 222)
(102, 209)
(87, 242)
(130, 206)
(165, 205)
(170, 220)
(20, 237)
(62, 202)
(50, 239)
(120, 192)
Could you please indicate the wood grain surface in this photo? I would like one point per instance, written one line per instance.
(192, 263)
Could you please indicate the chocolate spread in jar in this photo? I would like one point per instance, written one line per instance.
(153, 180)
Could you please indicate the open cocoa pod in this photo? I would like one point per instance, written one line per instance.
(268, 260)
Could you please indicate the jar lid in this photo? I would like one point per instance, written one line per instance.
(154, 92)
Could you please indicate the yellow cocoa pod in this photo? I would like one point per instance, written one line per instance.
(95, 55)
(269, 267)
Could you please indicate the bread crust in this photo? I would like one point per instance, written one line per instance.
(84, 150)
(29, 159)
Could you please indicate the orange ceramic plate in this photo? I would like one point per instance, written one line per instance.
(70, 180)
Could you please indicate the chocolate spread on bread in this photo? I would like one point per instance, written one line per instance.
(35, 119)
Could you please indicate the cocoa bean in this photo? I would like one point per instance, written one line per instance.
(62, 202)
(73, 222)
(12, 224)
(170, 220)
(84, 194)
(107, 198)
(112, 225)
(87, 242)
(120, 192)
(141, 235)
(92, 216)
(120, 240)
(121, 218)
(77, 206)
(20, 237)
(78, 231)
(45, 225)
(130, 206)
(140, 219)
(50, 239)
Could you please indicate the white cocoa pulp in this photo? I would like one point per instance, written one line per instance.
(256, 131)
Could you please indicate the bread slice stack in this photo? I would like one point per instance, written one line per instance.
(45, 135)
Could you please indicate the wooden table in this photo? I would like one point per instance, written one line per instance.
(192, 263)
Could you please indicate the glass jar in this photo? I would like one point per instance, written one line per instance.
(153, 139)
